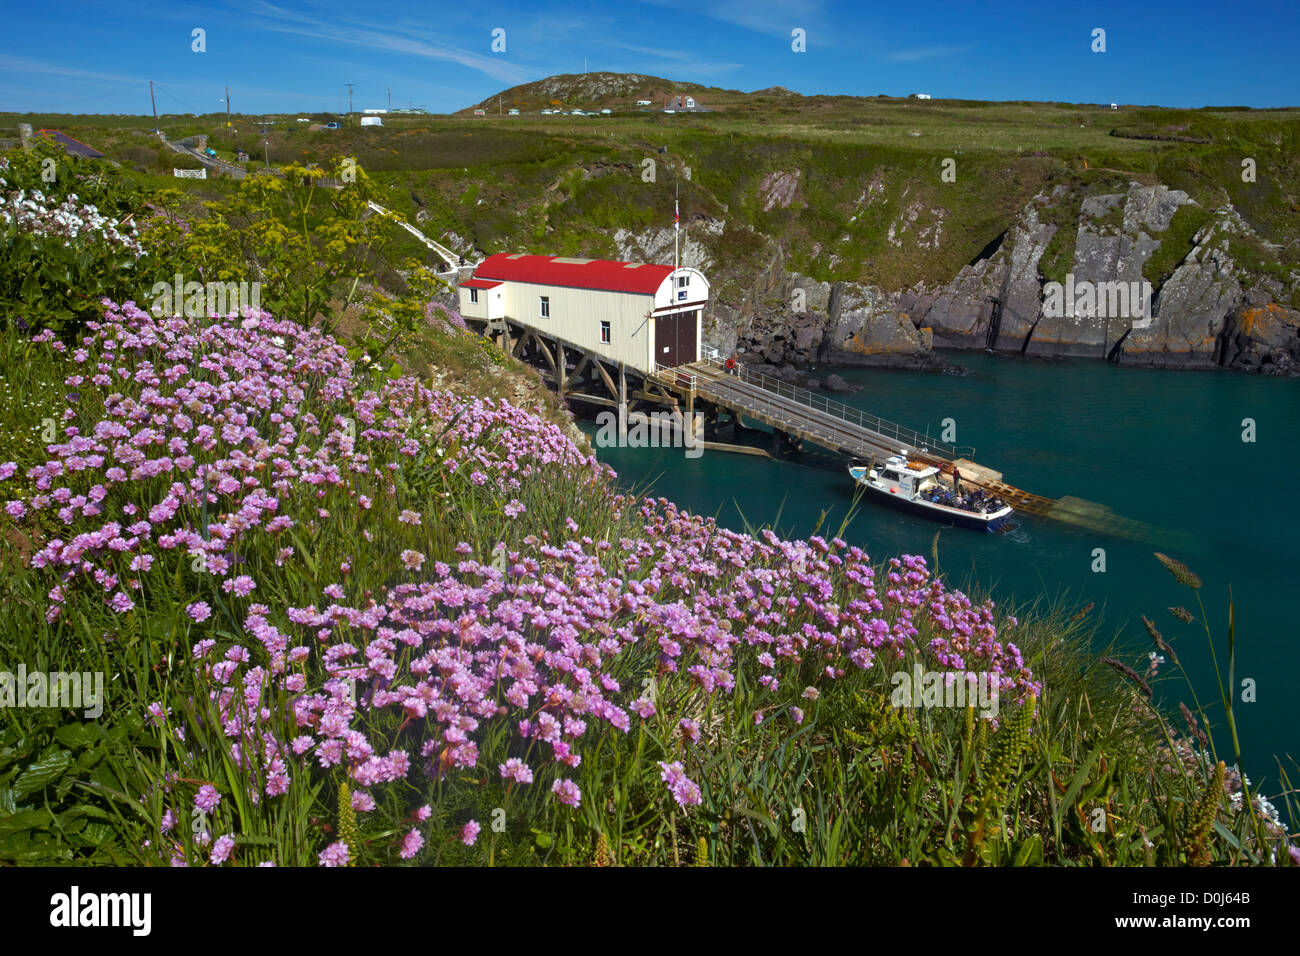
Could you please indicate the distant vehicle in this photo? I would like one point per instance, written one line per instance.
(577, 113)
(210, 151)
(480, 112)
(1114, 106)
(606, 112)
(512, 112)
(643, 103)
(303, 119)
(547, 112)
(331, 125)
(670, 111)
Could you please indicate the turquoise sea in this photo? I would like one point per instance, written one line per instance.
(1165, 448)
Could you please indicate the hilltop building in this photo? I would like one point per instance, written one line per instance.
(640, 314)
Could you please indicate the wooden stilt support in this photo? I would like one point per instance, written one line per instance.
(622, 403)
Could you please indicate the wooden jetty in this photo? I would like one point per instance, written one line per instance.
(795, 415)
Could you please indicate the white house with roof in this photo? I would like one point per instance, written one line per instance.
(641, 314)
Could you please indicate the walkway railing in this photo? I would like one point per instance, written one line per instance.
(900, 434)
(679, 375)
(452, 259)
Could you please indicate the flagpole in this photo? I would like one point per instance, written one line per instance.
(676, 225)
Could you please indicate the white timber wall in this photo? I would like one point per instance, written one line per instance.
(491, 303)
(576, 316)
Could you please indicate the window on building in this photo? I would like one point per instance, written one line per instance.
(604, 333)
(546, 307)
(473, 295)
(683, 281)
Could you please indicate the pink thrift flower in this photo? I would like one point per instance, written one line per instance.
(241, 585)
(411, 844)
(567, 792)
(336, 854)
(221, 850)
(207, 798)
(469, 833)
(516, 770)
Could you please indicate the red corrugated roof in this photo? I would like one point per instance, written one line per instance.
(479, 284)
(643, 278)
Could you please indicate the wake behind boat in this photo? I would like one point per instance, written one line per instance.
(924, 490)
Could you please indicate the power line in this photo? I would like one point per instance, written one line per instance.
(187, 106)
(100, 96)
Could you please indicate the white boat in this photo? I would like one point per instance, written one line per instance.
(923, 489)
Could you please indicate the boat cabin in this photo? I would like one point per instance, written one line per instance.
(904, 477)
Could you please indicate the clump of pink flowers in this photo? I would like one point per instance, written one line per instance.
(218, 437)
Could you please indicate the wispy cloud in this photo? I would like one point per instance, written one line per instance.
(650, 51)
(916, 54)
(355, 34)
(20, 64)
(772, 17)
(672, 59)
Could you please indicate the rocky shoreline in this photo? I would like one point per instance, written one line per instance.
(1211, 311)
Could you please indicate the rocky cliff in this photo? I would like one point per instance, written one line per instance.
(1207, 311)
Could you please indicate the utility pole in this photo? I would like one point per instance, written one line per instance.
(390, 99)
(266, 143)
(349, 86)
(154, 104)
(227, 106)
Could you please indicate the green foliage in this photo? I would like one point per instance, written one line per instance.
(1176, 243)
(855, 781)
(44, 280)
(306, 243)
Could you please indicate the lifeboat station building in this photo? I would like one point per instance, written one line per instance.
(639, 315)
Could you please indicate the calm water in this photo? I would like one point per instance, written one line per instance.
(1162, 447)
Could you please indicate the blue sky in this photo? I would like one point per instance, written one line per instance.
(296, 55)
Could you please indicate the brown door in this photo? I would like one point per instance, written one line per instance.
(675, 339)
(686, 337)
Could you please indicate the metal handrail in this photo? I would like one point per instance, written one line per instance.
(676, 374)
(846, 413)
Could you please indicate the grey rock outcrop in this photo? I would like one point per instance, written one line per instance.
(1199, 318)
